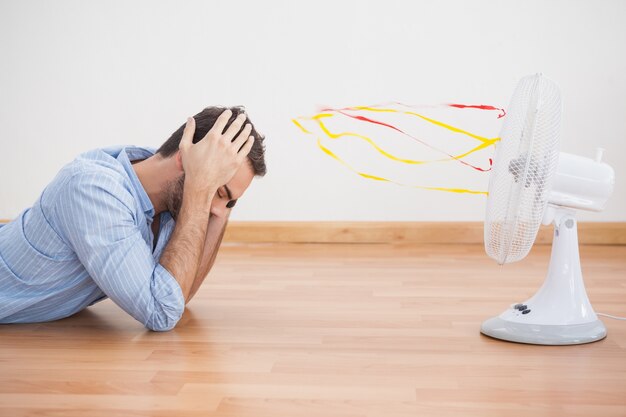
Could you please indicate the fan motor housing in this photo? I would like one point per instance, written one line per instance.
(581, 183)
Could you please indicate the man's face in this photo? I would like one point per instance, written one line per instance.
(224, 199)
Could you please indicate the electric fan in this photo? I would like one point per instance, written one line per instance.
(533, 183)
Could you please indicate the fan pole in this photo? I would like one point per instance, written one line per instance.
(560, 312)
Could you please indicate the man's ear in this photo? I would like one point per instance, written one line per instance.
(179, 161)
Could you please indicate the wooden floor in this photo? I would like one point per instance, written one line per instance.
(328, 330)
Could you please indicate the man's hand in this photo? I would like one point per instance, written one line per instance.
(213, 161)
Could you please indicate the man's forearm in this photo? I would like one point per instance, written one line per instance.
(183, 253)
(215, 233)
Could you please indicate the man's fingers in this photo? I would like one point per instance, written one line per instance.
(221, 122)
(187, 139)
(242, 137)
(245, 150)
(234, 127)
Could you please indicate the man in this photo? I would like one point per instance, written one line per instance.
(140, 228)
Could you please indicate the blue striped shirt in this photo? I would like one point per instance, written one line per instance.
(89, 237)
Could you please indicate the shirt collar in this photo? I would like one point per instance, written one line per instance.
(132, 153)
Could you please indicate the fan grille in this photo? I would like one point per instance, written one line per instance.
(524, 165)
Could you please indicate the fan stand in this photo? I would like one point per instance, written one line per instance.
(560, 312)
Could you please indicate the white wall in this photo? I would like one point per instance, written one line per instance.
(75, 75)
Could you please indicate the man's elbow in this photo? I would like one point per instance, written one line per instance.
(161, 327)
(164, 319)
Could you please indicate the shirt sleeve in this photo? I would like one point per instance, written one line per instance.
(98, 221)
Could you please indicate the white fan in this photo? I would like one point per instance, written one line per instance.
(532, 183)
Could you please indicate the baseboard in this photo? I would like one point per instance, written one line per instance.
(589, 233)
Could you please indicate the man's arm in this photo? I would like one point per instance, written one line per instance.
(95, 218)
(215, 233)
(208, 165)
(183, 254)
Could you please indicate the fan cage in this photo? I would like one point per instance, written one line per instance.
(525, 162)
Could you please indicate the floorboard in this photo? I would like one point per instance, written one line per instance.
(349, 330)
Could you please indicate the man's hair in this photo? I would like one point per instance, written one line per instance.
(204, 122)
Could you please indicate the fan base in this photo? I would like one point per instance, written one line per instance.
(544, 334)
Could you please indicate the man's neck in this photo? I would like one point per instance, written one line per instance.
(154, 174)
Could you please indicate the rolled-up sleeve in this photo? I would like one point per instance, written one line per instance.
(97, 219)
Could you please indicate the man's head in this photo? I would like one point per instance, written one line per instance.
(227, 194)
